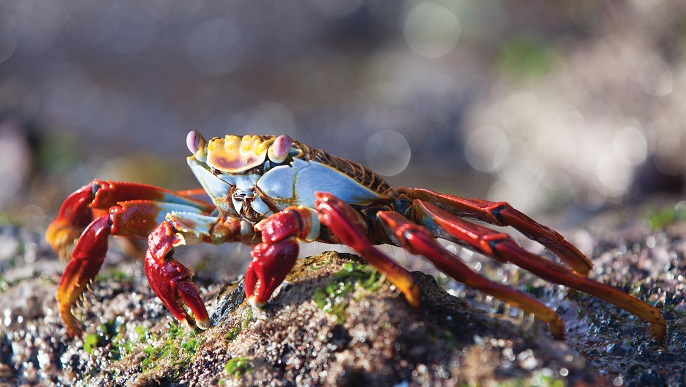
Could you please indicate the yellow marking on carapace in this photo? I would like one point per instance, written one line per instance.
(233, 154)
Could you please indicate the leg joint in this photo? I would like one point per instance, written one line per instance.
(496, 210)
(493, 241)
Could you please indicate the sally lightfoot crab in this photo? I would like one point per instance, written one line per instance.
(273, 192)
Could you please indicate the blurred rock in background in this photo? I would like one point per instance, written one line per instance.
(17, 164)
(576, 102)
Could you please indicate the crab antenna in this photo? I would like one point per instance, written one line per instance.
(196, 144)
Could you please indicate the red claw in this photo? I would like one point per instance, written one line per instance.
(271, 263)
(171, 281)
(274, 258)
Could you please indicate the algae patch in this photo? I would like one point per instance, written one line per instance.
(178, 347)
(233, 333)
(332, 297)
(658, 219)
(237, 367)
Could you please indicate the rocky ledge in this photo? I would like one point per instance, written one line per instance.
(339, 322)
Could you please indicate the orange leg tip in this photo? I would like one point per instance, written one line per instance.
(414, 302)
(70, 322)
(412, 295)
(557, 328)
(659, 329)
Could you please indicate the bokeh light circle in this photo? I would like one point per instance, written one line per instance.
(387, 152)
(431, 31)
(487, 148)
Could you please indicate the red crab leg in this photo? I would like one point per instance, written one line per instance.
(274, 258)
(134, 218)
(418, 240)
(87, 258)
(348, 226)
(94, 199)
(503, 248)
(170, 280)
(502, 214)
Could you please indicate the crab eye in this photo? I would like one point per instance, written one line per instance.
(278, 151)
(196, 144)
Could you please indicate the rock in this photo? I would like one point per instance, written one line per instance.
(326, 328)
(377, 340)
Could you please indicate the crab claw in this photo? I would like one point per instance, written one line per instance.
(171, 281)
(271, 263)
(86, 260)
(74, 216)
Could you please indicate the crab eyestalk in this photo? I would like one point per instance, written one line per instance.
(278, 151)
(197, 145)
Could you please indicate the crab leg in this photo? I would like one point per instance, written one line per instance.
(170, 280)
(133, 218)
(96, 198)
(418, 240)
(502, 214)
(349, 227)
(86, 260)
(503, 248)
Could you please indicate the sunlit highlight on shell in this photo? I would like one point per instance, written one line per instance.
(233, 154)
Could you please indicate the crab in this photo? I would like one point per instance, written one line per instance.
(272, 192)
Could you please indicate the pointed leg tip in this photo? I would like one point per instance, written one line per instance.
(73, 326)
(556, 325)
(252, 301)
(192, 323)
(659, 332)
(203, 324)
(413, 296)
(75, 331)
(558, 334)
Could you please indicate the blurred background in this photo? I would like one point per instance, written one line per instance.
(547, 105)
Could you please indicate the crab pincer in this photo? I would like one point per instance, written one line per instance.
(274, 258)
(170, 280)
(270, 265)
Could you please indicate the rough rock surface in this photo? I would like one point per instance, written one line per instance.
(376, 338)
